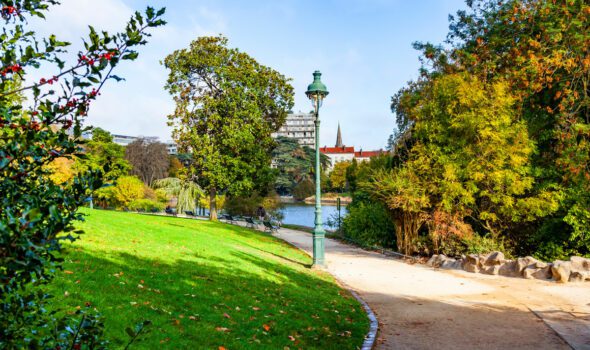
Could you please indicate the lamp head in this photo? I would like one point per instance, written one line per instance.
(316, 91)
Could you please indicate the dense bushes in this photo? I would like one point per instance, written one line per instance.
(492, 149)
(248, 205)
(370, 224)
(146, 205)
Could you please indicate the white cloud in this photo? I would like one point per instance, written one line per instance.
(70, 20)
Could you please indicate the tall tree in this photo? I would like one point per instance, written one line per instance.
(470, 159)
(227, 106)
(338, 176)
(149, 159)
(101, 153)
(295, 164)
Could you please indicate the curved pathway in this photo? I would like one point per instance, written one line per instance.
(422, 308)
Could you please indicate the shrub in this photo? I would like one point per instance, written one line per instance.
(248, 205)
(303, 190)
(128, 189)
(370, 224)
(146, 205)
(455, 245)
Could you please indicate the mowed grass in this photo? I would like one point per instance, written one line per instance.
(204, 286)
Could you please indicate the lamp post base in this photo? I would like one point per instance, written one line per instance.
(318, 248)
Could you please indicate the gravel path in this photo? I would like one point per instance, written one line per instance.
(422, 308)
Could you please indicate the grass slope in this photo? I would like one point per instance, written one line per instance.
(204, 286)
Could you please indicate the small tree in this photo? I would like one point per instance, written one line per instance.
(338, 176)
(186, 192)
(227, 106)
(37, 214)
(102, 154)
(127, 189)
(149, 159)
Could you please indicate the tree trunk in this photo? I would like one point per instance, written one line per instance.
(212, 205)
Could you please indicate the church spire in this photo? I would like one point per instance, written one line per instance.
(339, 137)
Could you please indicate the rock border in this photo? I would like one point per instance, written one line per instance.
(577, 269)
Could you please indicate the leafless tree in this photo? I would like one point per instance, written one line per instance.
(149, 159)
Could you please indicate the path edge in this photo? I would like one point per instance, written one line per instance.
(371, 335)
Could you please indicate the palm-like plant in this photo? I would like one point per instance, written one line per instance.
(187, 192)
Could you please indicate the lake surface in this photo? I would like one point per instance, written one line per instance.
(304, 214)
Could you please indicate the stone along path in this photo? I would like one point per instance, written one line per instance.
(422, 308)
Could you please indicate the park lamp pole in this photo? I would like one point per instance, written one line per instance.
(316, 92)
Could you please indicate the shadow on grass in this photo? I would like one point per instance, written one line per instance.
(201, 303)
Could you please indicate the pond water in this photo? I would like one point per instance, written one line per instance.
(304, 214)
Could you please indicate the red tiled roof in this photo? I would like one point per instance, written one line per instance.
(366, 154)
(336, 150)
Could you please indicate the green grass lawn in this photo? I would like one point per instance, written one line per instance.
(204, 286)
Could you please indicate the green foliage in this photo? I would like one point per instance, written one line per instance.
(102, 154)
(227, 107)
(304, 189)
(338, 176)
(37, 214)
(188, 193)
(295, 164)
(539, 51)
(248, 205)
(126, 190)
(370, 224)
(146, 205)
(470, 157)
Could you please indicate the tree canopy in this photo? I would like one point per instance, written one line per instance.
(495, 132)
(227, 106)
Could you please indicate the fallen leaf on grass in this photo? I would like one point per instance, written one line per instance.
(291, 338)
(266, 327)
(221, 348)
(68, 272)
(222, 329)
(226, 315)
(255, 308)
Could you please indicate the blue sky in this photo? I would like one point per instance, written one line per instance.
(362, 47)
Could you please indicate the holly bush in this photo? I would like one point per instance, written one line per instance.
(36, 214)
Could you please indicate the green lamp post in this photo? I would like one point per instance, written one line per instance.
(316, 92)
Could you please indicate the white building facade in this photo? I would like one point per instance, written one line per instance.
(299, 126)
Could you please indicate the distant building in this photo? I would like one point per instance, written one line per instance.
(125, 140)
(342, 153)
(172, 148)
(299, 126)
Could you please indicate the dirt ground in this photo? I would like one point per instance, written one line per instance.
(422, 308)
